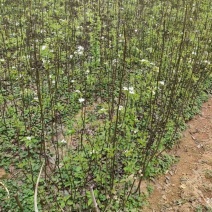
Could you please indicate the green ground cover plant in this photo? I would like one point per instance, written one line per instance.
(96, 90)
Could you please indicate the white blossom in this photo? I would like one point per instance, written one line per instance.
(161, 82)
(81, 100)
(114, 61)
(206, 61)
(131, 90)
(29, 138)
(43, 47)
(80, 50)
(77, 91)
(143, 60)
(121, 107)
(92, 152)
(63, 141)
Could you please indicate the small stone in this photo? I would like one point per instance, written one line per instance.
(166, 181)
(164, 197)
(193, 137)
(167, 177)
(183, 186)
(199, 146)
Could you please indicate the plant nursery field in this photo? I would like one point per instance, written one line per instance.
(93, 94)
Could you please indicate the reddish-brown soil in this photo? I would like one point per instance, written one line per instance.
(187, 186)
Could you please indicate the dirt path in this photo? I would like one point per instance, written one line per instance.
(187, 187)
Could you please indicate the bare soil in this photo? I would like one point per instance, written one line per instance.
(187, 186)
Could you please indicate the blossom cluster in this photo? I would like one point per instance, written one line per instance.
(130, 89)
(79, 51)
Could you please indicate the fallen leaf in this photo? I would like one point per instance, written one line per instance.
(3, 174)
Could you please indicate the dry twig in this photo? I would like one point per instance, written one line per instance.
(36, 189)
